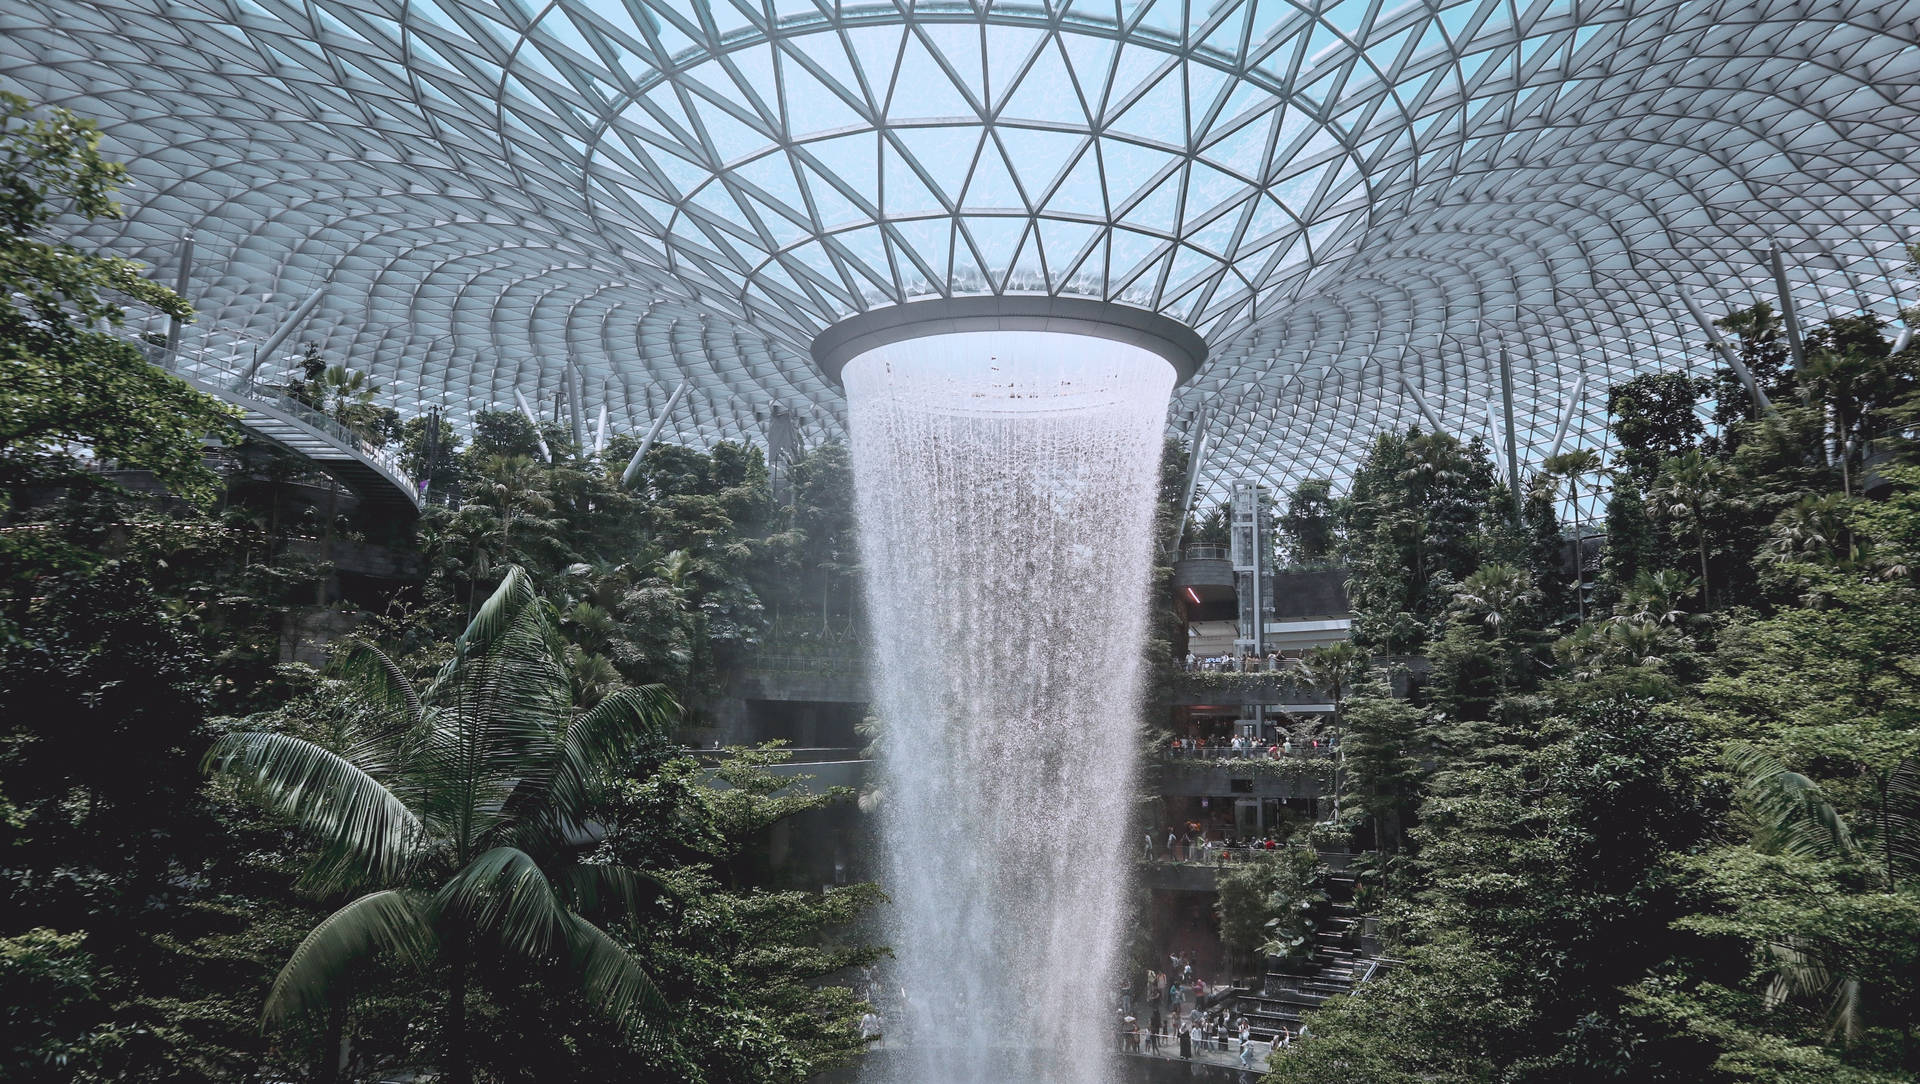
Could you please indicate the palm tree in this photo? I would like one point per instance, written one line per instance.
(1795, 819)
(1574, 466)
(460, 806)
(1498, 592)
(1336, 668)
(1689, 485)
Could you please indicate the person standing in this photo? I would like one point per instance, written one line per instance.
(1153, 1032)
(1149, 851)
(1246, 1044)
(1186, 1041)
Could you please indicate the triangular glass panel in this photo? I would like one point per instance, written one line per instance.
(925, 90)
(1160, 114)
(1038, 155)
(811, 107)
(772, 174)
(825, 52)
(1208, 188)
(1008, 48)
(1129, 250)
(729, 137)
(996, 237)
(1046, 94)
(876, 51)
(991, 187)
(1089, 56)
(932, 238)
(1082, 192)
(944, 151)
(1025, 272)
(1244, 152)
(1158, 210)
(830, 206)
(905, 193)
(1136, 67)
(959, 45)
(1130, 167)
(852, 159)
(1063, 242)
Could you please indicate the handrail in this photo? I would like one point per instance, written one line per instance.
(199, 364)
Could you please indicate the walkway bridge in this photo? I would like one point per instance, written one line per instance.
(373, 474)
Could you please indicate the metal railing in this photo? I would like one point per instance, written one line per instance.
(221, 364)
(1204, 553)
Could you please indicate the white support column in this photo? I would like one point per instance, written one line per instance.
(1196, 451)
(280, 334)
(570, 381)
(1727, 353)
(181, 282)
(1566, 416)
(1787, 311)
(659, 423)
(533, 420)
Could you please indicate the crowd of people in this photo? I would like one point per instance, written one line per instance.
(1246, 663)
(1248, 747)
(1192, 843)
(1176, 1017)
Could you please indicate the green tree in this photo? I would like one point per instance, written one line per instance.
(1653, 420)
(1311, 522)
(1576, 466)
(63, 383)
(461, 799)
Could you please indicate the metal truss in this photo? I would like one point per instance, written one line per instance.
(1347, 198)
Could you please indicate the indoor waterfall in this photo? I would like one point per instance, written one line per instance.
(1006, 483)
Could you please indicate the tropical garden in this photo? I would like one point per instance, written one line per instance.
(460, 836)
(1654, 812)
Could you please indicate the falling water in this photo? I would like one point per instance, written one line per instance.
(1006, 484)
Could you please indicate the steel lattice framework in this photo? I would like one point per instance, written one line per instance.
(1358, 203)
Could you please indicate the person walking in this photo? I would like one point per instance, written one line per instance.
(1246, 1045)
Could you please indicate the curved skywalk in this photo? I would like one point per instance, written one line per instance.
(1347, 199)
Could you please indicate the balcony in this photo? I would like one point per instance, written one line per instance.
(1301, 775)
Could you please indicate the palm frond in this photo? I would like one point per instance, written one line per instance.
(1900, 821)
(612, 976)
(378, 679)
(1794, 816)
(388, 921)
(504, 894)
(357, 820)
(598, 741)
(495, 615)
(594, 888)
(1799, 973)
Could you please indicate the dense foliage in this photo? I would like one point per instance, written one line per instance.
(1666, 828)
(479, 852)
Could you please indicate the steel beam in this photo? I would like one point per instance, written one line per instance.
(180, 286)
(533, 420)
(570, 380)
(1195, 454)
(600, 432)
(1566, 417)
(653, 434)
(1727, 353)
(1513, 440)
(280, 334)
(1426, 411)
(1794, 341)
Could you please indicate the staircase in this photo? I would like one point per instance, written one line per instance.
(1335, 967)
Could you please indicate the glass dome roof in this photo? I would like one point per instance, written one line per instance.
(1347, 199)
